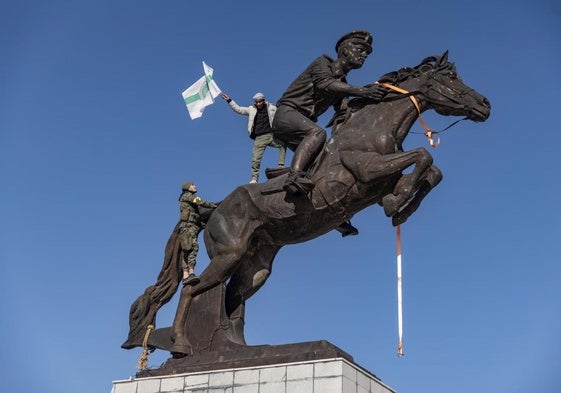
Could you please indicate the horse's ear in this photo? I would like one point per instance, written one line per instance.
(428, 59)
(444, 58)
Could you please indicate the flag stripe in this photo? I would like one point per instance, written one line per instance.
(193, 98)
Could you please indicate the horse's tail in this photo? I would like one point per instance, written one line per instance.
(143, 310)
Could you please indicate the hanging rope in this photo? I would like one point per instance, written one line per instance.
(143, 361)
(399, 296)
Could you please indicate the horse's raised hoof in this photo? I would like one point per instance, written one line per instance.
(180, 344)
(391, 205)
(180, 350)
(399, 219)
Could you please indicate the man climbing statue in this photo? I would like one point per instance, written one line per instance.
(189, 228)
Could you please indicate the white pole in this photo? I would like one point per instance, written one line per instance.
(399, 296)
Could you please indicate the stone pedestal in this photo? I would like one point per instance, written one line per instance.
(336, 375)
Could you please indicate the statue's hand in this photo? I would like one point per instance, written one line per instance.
(377, 93)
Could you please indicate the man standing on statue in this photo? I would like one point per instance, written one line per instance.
(321, 85)
(260, 117)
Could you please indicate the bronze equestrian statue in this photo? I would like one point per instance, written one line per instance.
(361, 165)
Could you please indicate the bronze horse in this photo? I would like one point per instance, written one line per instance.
(361, 164)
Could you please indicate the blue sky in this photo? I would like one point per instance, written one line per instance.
(95, 142)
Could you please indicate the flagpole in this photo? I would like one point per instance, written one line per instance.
(399, 296)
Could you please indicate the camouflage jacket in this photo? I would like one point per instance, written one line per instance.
(189, 208)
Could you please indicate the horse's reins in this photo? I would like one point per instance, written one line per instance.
(428, 131)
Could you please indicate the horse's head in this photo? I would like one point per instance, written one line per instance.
(443, 90)
(447, 94)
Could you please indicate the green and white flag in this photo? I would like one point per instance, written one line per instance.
(201, 94)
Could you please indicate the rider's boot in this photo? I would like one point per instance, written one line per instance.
(275, 172)
(304, 155)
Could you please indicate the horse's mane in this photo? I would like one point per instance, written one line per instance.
(431, 63)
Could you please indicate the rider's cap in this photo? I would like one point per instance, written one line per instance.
(358, 37)
(258, 96)
(185, 186)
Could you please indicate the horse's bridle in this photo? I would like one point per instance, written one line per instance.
(428, 131)
(459, 93)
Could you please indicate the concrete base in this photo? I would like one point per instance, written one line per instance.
(337, 375)
(244, 356)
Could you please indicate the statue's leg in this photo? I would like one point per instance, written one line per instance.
(250, 276)
(227, 238)
(431, 180)
(402, 193)
(303, 136)
(368, 167)
(181, 346)
(408, 184)
(220, 268)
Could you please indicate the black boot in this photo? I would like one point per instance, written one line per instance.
(347, 229)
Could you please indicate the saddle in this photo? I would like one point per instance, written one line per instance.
(286, 179)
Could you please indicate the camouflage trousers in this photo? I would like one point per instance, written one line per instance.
(188, 234)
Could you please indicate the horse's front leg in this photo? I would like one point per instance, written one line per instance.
(431, 179)
(369, 166)
(250, 276)
(219, 269)
(226, 238)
